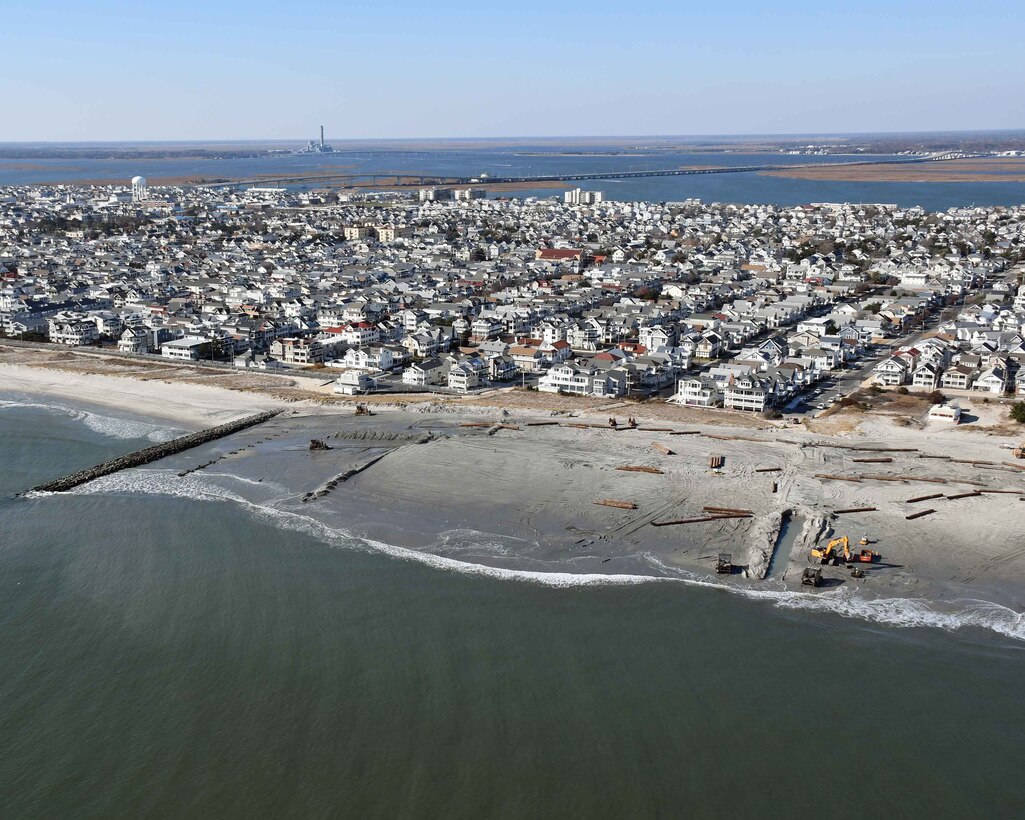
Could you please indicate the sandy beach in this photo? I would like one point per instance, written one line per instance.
(511, 481)
(189, 405)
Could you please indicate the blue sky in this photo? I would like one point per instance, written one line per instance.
(106, 70)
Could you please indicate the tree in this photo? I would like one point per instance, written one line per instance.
(1018, 412)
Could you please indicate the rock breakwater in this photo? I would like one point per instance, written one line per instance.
(154, 453)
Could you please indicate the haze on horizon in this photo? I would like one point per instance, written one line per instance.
(112, 70)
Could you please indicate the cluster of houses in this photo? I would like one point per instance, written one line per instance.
(982, 350)
(728, 305)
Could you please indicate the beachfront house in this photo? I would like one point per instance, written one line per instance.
(958, 377)
(353, 382)
(567, 378)
(428, 373)
(697, 391)
(891, 372)
(926, 377)
(751, 393)
(189, 348)
(993, 380)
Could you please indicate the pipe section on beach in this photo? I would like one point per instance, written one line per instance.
(154, 453)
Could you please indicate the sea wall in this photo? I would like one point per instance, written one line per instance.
(157, 451)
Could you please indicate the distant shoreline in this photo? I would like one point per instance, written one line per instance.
(995, 169)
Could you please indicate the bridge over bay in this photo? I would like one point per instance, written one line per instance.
(415, 180)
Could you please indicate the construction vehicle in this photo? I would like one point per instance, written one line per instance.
(865, 556)
(811, 577)
(724, 563)
(1019, 451)
(363, 409)
(826, 554)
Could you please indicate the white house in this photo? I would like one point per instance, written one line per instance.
(430, 372)
(891, 372)
(747, 393)
(466, 375)
(698, 391)
(993, 380)
(945, 412)
(353, 382)
(186, 349)
(567, 378)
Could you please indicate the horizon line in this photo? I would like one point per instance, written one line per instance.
(692, 136)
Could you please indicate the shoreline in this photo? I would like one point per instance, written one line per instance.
(190, 406)
(991, 169)
(444, 484)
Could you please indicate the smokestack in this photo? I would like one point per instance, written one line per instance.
(322, 136)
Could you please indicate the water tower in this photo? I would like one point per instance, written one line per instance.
(139, 189)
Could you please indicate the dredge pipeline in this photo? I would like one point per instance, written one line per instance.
(157, 451)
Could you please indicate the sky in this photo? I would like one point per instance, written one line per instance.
(76, 70)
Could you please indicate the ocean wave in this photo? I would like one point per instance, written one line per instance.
(109, 426)
(894, 612)
(898, 612)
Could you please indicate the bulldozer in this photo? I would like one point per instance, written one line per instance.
(811, 577)
(1019, 451)
(363, 409)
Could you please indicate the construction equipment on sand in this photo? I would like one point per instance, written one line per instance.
(866, 556)
(363, 409)
(1019, 451)
(811, 577)
(831, 553)
(828, 553)
(724, 563)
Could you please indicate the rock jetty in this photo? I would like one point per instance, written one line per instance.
(157, 451)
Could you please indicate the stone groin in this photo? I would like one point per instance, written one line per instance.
(157, 451)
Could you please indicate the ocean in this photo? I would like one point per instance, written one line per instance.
(533, 160)
(168, 656)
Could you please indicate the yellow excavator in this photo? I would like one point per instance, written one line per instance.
(831, 552)
(828, 553)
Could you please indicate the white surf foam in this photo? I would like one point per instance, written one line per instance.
(896, 612)
(899, 612)
(109, 426)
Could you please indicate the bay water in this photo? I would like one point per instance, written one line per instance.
(525, 159)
